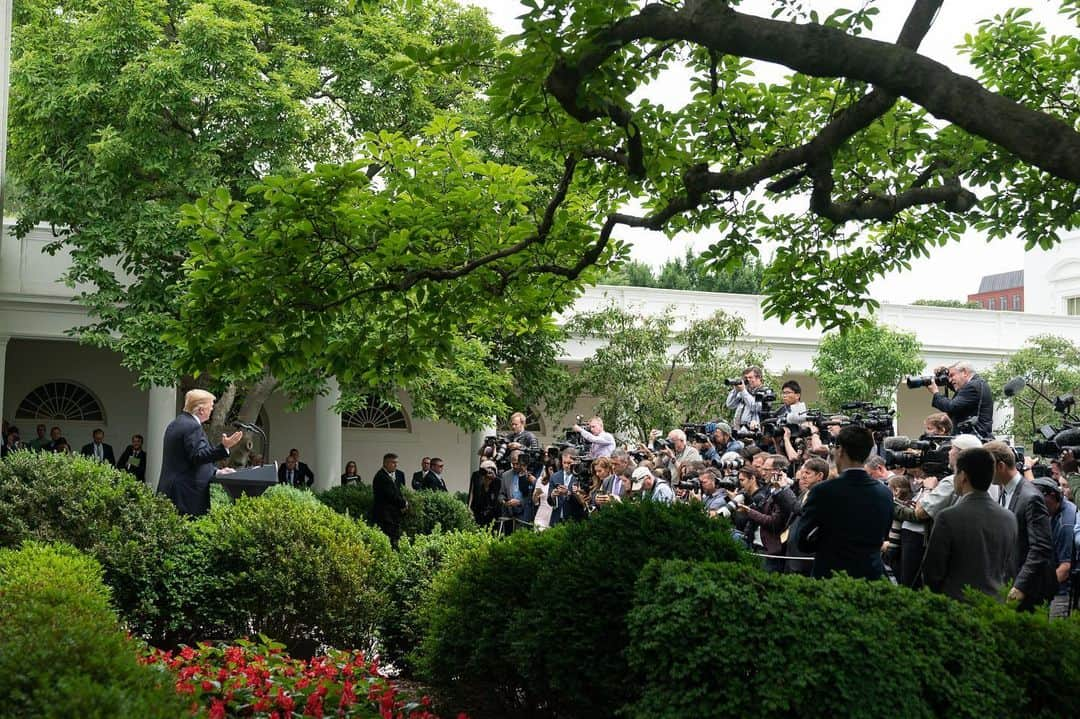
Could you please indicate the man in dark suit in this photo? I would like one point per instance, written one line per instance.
(389, 502)
(516, 493)
(418, 476)
(846, 520)
(1033, 571)
(295, 473)
(133, 458)
(187, 458)
(99, 450)
(973, 399)
(433, 480)
(972, 542)
(566, 497)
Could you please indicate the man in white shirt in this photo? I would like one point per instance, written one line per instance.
(601, 443)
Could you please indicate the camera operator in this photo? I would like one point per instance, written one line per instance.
(601, 443)
(754, 492)
(519, 437)
(652, 487)
(516, 493)
(713, 498)
(675, 453)
(973, 399)
(723, 440)
(568, 500)
(741, 399)
(791, 403)
(768, 522)
(703, 444)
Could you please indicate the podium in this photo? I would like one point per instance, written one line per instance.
(251, 481)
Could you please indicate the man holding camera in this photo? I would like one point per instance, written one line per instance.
(519, 437)
(846, 520)
(567, 498)
(972, 401)
(516, 493)
(676, 452)
(711, 496)
(768, 522)
(723, 440)
(601, 443)
(741, 399)
(651, 487)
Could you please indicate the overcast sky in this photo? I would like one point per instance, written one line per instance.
(954, 270)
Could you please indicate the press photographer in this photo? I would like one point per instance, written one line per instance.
(767, 521)
(748, 398)
(972, 403)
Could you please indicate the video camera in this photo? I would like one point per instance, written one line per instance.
(929, 453)
(940, 378)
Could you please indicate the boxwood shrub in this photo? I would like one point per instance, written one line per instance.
(291, 569)
(426, 511)
(62, 652)
(133, 533)
(727, 640)
(419, 559)
(539, 622)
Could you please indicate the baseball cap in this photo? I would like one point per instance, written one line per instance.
(488, 464)
(723, 427)
(638, 478)
(1045, 484)
(966, 441)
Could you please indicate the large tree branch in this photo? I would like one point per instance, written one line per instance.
(1035, 137)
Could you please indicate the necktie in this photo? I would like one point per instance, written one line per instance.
(1001, 498)
(97, 452)
(290, 477)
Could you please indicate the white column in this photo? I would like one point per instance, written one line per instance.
(160, 410)
(327, 439)
(3, 378)
(476, 442)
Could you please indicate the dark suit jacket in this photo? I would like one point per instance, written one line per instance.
(971, 544)
(844, 522)
(432, 482)
(302, 475)
(418, 480)
(564, 509)
(106, 450)
(187, 465)
(973, 400)
(1033, 564)
(389, 502)
(525, 511)
(139, 470)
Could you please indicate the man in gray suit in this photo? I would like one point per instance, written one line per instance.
(515, 493)
(1033, 569)
(972, 542)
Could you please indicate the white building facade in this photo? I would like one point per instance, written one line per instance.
(46, 377)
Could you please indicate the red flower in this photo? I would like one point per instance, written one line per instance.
(314, 707)
(217, 709)
(187, 653)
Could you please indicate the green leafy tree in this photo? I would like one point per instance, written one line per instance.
(865, 363)
(859, 178)
(383, 284)
(688, 273)
(122, 111)
(658, 371)
(1050, 364)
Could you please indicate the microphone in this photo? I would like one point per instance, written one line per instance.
(898, 443)
(1014, 385)
(1068, 437)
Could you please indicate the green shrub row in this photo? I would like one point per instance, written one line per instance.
(537, 623)
(62, 652)
(426, 511)
(727, 640)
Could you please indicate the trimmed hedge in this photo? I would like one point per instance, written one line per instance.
(134, 534)
(62, 653)
(291, 569)
(426, 511)
(419, 559)
(538, 621)
(725, 640)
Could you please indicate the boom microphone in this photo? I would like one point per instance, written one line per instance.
(1068, 437)
(898, 443)
(1014, 385)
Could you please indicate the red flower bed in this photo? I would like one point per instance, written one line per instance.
(259, 680)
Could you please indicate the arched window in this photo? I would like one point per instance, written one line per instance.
(61, 401)
(375, 414)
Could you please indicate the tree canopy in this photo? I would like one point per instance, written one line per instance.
(867, 156)
(865, 363)
(687, 273)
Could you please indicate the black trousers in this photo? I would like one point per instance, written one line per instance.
(911, 556)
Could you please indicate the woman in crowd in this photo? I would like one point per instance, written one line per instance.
(351, 475)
